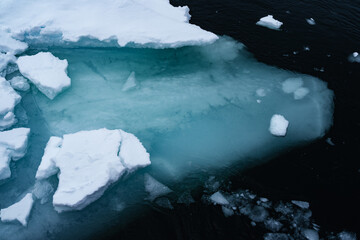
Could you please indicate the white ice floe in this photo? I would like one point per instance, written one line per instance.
(218, 198)
(8, 100)
(19, 211)
(301, 204)
(155, 188)
(278, 125)
(310, 234)
(87, 162)
(11, 45)
(354, 57)
(46, 71)
(310, 21)
(13, 145)
(269, 22)
(126, 21)
(19, 83)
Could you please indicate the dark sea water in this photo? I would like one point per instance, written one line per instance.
(325, 175)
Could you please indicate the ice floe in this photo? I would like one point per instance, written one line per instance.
(19, 211)
(9, 44)
(310, 21)
(13, 146)
(129, 21)
(46, 71)
(218, 198)
(87, 162)
(278, 125)
(269, 22)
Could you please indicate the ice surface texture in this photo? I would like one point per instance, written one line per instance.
(88, 162)
(142, 22)
(47, 72)
(8, 100)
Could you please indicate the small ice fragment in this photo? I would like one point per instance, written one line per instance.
(253, 223)
(261, 92)
(290, 85)
(227, 211)
(306, 48)
(19, 211)
(300, 93)
(130, 82)
(310, 234)
(155, 188)
(269, 22)
(218, 198)
(264, 199)
(278, 125)
(43, 190)
(19, 83)
(273, 225)
(277, 236)
(354, 57)
(258, 214)
(301, 204)
(164, 203)
(310, 21)
(330, 142)
(355, 54)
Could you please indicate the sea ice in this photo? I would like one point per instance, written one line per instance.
(8, 100)
(354, 57)
(88, 162)
(310, 234)
(19, 83)
(46, 71)
(310, 21)
(19, 211)
(155, 188)
(13, 145)
(301, 204)
(278, 125)
(218, 198)
(153, 22)
(269, 22)
(11, 45)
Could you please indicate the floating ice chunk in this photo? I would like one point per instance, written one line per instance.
(300, 93)
(19, 211)
(228, 212)
(301, 204)
(218, 198)
(269, 22)
(11, 45)
(87, 162)
(310, 21)
(155, 188)
(13, 144)
(130, 82)
(278, 125)
(19, 83)
(5, 59)
(292, 84)
(46, 71)
(135, 21)
(330, 142)
(261, 92)
(258, 214)
(347, 236)
(354, 57)
(8, 100)
(310, 234)
(306, 48)
(43, 190)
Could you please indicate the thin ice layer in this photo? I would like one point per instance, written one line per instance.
(19, 211)
(153, 22)
(46, 71)
(88, 162)
(13, 145)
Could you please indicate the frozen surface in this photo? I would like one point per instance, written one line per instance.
(278, 125)
(19, 83)
(155, 188)
(13, 144)
(8, 100)
(9, 44)
(5, 59)
(19, 211)
(269, 22)
(88, 162)
(153, 22)
(46, 71)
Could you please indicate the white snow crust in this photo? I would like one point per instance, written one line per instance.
(8, 100)
(278, 125)
(125, 21)
(19, 211)
(87, 162)
(46, 71)
(269, 22)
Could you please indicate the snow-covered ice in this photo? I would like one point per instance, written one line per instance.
(19, 83)
(278, 125)
(218, 198)
(300, 93)
(269, 22)
(153, 22)
(155, 188)
(46, 71)
(8, 100)
(13, 146)
(88, 162)
(9, 44)
(19, 211)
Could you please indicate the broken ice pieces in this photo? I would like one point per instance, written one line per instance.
(8, 100)
(269, 22)
(19, 211)
(88, 162)
(13, 144)
(46, 71)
